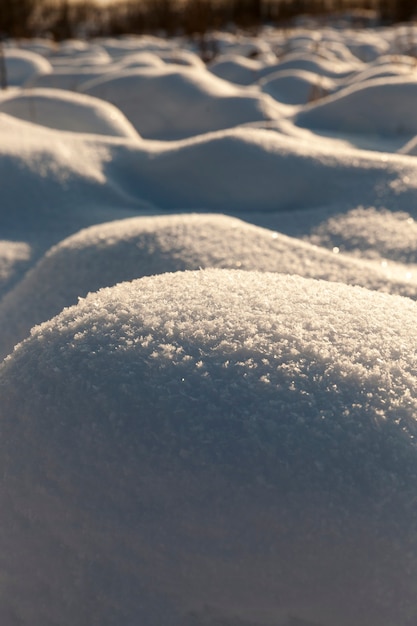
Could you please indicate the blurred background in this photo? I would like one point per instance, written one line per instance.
(63, 19)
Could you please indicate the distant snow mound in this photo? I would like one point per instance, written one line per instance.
(296, 86)
(69, 77)
(167, 103)
(384, 106)
(236, 69)
(67, 111)
(103, 255)
(372, 233)
(139, 59)
(311, 62)
(23, 65)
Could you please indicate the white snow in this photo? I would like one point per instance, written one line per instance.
(24, 65)
(383, 105)
(67, 111)
(208, 285)
(166, 103)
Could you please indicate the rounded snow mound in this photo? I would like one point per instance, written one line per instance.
(236, 69)
(24, 65)
(386, 70)
(67, 111)
(159, 420)
(372, 233)
(103, 255)
(311, 62)
(266, 356)
(380, 106)
(178, 56)
(139, 59)
(274, 173)
(296, 86)
(167, 103)
(69, 78)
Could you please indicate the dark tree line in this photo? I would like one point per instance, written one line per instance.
(63, 18)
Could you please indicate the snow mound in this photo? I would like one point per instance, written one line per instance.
(104, 255)
(56, 182)
(179, 56)
(14, 258)
(386, 70)
(236, 69)
(231, 171)
(75, 52)
(255, 170)
(371, 233)
(310, 62)
(167, 103)
(159, 421)
(296, 86)
(117, 48)
(140, 59)
(69, 78)
(384, 106)
(67, 111)
(23, 65)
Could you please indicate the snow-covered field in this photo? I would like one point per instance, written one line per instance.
(208, 284)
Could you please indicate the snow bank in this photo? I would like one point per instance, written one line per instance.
(371, 233)
(162, 421)
(384, 106)
(23, 65)
(310, 62)
(236, 69)
(104, 255)
(167, 103)
(296, 86)
(255, 170)
(77, 180)
(67, 111)
(68, 78)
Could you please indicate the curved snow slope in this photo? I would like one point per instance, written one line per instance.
(389, 69)
(310, 62)
(70, 78)
(71, 177)
(104, 255)
(158, 423)
(73, 52)
(139, 59)
(296, 86)
(236, 69)
(383, 106)
(167, 103)
(371, 233)
(23, 65)
(67, 111)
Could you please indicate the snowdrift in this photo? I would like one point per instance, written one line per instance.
(219, 377)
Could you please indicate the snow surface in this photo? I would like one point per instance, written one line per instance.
(208, 390)
(166, 103)
(67, 111)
